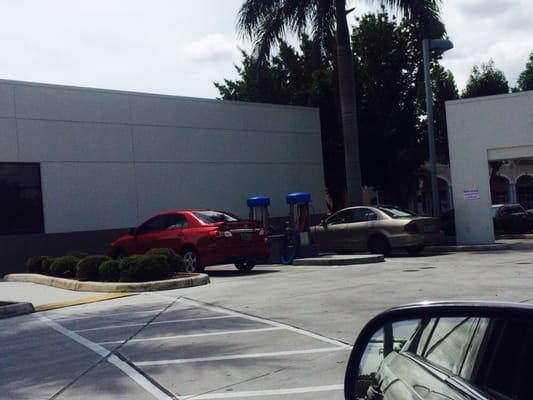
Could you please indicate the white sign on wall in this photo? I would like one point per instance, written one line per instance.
(471, 194)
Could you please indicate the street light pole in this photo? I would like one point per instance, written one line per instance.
(431, 131)
(442, 46)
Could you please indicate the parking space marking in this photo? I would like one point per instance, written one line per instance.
(260, 393)
(172, 321)
(238, 356)
(111, 358)
(221, 310)
(193, 335)
(67, 318)
(102, 306)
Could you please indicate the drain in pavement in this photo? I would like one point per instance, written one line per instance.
(411, 270)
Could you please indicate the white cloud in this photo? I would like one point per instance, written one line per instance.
(181, 47)
(213, 48)
(488, 29)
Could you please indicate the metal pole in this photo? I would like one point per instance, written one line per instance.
(431, 132)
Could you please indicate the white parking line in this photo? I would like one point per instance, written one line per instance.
(264, 321)
(106, 305)
(159, 338)
(102, 352)
(172, 321)
(260, 393)
(67, 318)
(238, 356)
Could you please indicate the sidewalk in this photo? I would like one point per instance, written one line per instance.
(38, 295)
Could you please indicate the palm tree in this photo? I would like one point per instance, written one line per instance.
(266, 22)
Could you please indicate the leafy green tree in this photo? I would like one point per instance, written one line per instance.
(486, 80)
(525, 80)
(295, 77)
(386, 82)
(267, 21)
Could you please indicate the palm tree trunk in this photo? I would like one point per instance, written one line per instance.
(348, 103)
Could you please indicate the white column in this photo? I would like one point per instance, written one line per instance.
(513, 197)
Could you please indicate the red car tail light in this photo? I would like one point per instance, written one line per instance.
(412, 228)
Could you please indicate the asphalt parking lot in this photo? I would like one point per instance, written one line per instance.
(280, 332)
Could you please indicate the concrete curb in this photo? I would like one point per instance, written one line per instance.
(340, 260)
(70, 284)
(12, 310)
(515, 236)
(473, 247)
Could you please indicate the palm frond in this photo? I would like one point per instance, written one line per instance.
(425, 12)
(267, 22)
(323, 23)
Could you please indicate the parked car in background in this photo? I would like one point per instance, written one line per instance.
(376, 229)
(201, 237)
(507, 218)
(511, 218)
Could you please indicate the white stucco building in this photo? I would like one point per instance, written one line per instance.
(89, 162)
(481, 130)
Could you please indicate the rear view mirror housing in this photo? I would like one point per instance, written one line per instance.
(395, 347)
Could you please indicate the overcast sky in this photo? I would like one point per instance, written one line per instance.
(180, 47)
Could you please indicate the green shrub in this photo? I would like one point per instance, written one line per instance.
(33, 264)
(144, 268)
(80, 255)
(109, 271)
(175, 262)
(87, 268)
(156, 267)
(64, 267)
(130, 269)
(45, 265)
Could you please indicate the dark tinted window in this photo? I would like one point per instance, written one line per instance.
(362, 215)
(353, 215)
(21, 209)
(175, 221)
(154, 225)
(505, 365)
(212, 217)
(341, 217)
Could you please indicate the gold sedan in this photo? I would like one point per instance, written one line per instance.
(376, 229)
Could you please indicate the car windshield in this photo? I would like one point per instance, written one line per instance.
(212, 217)
(397, 212)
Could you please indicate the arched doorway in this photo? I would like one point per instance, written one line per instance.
(499, 190)
(524, 191)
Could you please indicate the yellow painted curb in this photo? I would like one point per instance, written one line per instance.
(84, 300)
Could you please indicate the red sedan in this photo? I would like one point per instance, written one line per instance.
(202, 237)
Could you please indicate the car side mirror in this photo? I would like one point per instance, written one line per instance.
(416, 346)
(133, 232)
